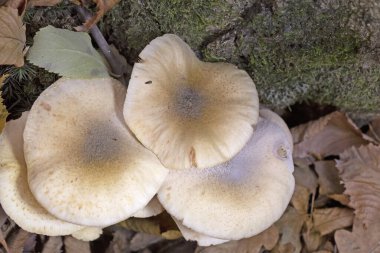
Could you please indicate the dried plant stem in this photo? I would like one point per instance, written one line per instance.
(116, 66)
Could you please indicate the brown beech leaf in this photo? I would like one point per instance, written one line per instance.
(143, 240)
(53, 245)
(327, 220)
(311, 236)
(290, 226)
(73, 245)
(12, 37)
(362, 239)
(20, 5)
(17, 242)
(266, 239)
(359, 168)
(3, 219)
(306, 185)
(328, 178)
(120, 241)
(103, 6)
(329, 135)
(374, 129)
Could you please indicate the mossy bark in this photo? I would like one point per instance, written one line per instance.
(324, 51)
(299, 50)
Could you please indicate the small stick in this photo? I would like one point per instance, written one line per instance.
(116, 65)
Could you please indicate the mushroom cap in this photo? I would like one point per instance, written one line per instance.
(239, 198)
(188, 112)
(84, 165)
(16, 198)
(201, 239)
(88, 233)
(273, 117)
(153, 208)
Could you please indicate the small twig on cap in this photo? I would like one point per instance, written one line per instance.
(116, 66)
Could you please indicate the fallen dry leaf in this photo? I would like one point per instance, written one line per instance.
(359, 168)
(311, 236)
(290, 226)
(3, 219)
(103, 6)
(12, 37)
(362, 239)
(20, 5)
(16, 242)
(329, 135)
(73, 245)
(143, 240)
(266, 239)
(374, 129)
(327, 220)
(53, 245)
(120, 241)
(306, 185)
(328, 178)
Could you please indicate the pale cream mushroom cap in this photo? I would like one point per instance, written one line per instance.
(201, 239)
(88, 233)
(84, 165)
(239, 198)
(275, 118)
(16, 198)
(153, 208)
(188, 112)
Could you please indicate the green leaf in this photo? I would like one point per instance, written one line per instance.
(67, 53)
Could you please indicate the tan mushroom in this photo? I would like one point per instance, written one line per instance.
(84, 165)
(153, 208)
(241, 197)
(188, 112)
(16, 198)
(201, 239)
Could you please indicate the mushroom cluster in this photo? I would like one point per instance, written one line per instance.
(90, 154)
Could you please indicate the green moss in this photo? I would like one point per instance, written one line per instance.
(304, 52)
(130, 27)
(194, 20)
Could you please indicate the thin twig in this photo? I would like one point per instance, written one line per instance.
(116, 66)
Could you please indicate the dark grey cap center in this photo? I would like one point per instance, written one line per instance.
(189, 103)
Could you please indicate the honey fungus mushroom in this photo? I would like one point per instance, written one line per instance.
(16, 198)
(188, 112)
(84, 165)
(241, 197)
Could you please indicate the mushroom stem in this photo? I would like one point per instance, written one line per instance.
(116, 65)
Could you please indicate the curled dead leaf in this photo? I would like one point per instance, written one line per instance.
(361, 239)
(329, 135)
(328, 178)
(103, 6)
(359, 169)
(374, 129)
(290, 226)
(12, 37)
(327, 220)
